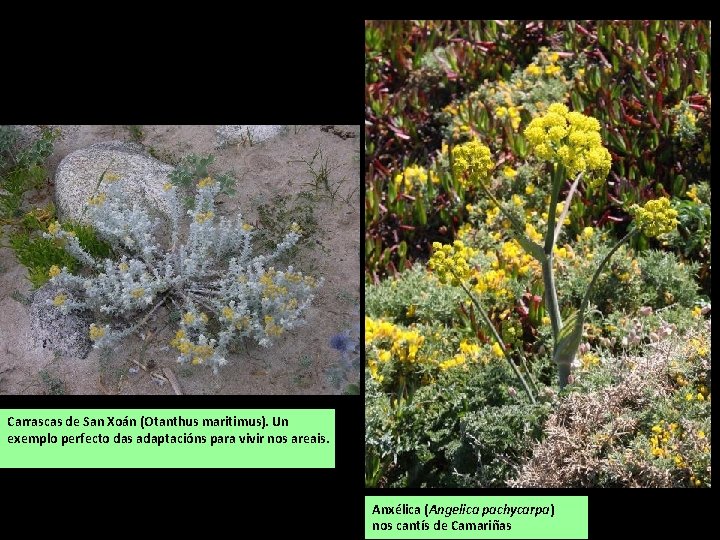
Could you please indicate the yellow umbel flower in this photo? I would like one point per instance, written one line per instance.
(450, 262)
(656, 217)
(471, 162)
(111, 177)
(571, 139)
(228, 313)
(54, 271)
(59, 300)
(188, 318)
(167, 186)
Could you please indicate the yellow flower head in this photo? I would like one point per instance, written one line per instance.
(188, 318)
(54, 271)
(534, 70)
(228, 313)
(59, 299)
(571, 139)
(137, 293)
(111, 177)
(167, 186)
(202, 217)
(472, 160)
(96, 332)
(54, 228)
(450, 262)
(656, 217)
(207, 181)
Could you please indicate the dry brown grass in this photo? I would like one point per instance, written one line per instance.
(587, 438)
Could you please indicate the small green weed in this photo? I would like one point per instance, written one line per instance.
(54, 386)
(136, 133)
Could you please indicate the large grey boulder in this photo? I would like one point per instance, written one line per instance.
(141, 176)
(66, 335)
(246, 134)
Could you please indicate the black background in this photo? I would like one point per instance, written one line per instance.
(220, 67)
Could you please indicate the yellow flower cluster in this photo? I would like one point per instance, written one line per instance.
(111, 177)
(656, 217)
(548, 65)
(698, 346)
(457, 360)
(137, 293)
(513, 113)
(96, 332)
(589, 360)
(270, 289)
(661, 445)
(693, 195)
(494, 280)
(202, 217)
(404, 345)
(54, 271)
(450, 262)
(513, 258)
(200, 353)
(54, 228)
(414, 177)
(271, 327)
(471, 162)
(59, 300)
(569, 138)
(207, 181)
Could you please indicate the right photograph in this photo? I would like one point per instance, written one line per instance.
(537, 253)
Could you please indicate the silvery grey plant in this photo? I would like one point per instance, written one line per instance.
(223, 289)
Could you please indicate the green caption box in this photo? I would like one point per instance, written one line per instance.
(476, 517)
(237, 438)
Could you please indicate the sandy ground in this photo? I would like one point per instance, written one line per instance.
(298, 362)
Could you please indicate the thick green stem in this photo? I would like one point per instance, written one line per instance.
(551, 300)
(558, 176)
(500, 342)
(563, 374)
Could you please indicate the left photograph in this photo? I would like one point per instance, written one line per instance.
(179, 259)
